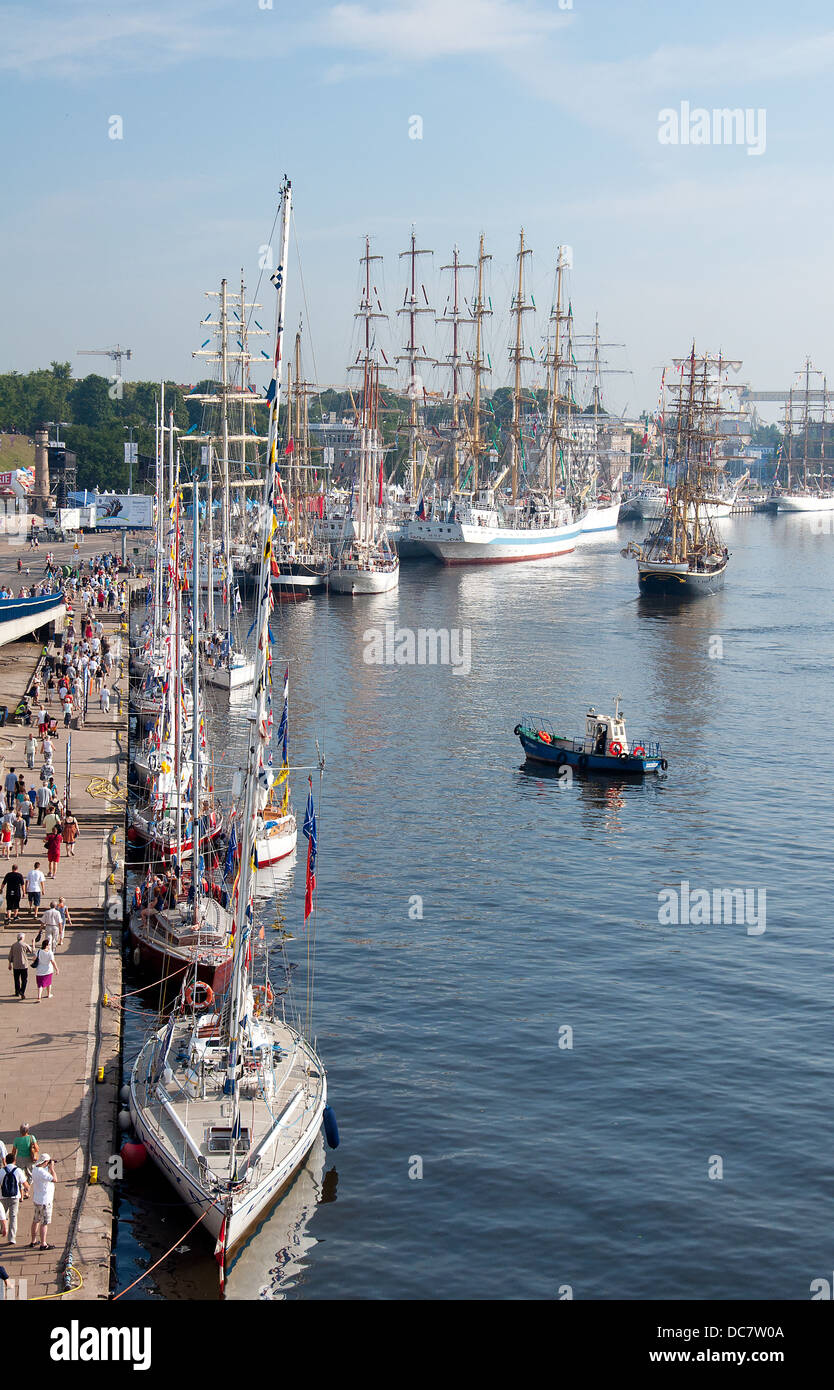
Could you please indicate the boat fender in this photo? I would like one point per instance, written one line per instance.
(331, 1129)
(133, 1155)
(517, 730)
(137, 956)
(623, 757)
(663, 764)
(124, 1121)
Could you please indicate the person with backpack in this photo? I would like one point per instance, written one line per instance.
(12, 1187)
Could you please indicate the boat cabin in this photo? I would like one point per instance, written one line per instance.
(604, 730)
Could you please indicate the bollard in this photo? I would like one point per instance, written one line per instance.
(94, 1174)
(105, 1001)
(100, 1074)
(108, 940)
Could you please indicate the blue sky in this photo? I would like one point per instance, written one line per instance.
(532, 115)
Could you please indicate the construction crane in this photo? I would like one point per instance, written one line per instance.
(117, 353)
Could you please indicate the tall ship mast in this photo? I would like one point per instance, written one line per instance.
(684, 553)
(482, 525)
(367, 562)
(227, 666)
(302, 561)
(809, 486)
(227, 1096)
(454, 316)
(414, 354)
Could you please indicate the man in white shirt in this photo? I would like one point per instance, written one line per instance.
(43, 798)
(51, 924)
(34, 888)
(43, 1193)
(105, 699)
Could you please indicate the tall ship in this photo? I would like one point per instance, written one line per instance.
(683, 554)
(302, 560)
(224, 451)
(227, 1096)
(480, 525)
(809, 474)
(366, 561)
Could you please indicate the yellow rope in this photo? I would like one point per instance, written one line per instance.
(102, 786)
(41, 1296)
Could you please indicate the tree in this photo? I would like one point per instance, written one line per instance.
(90, 400)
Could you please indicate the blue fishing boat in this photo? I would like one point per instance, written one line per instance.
(604, 747)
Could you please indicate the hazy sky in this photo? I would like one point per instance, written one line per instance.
(531, 114)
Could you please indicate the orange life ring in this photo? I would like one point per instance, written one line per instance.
(543, 737)
(261, 993)
(207, 997)
(639, 750)
(615, 749)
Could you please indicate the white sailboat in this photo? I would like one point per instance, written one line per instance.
(806, 490)
(229, 1101)
(479, 527)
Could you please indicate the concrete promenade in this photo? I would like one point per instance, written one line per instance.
(51, 1051)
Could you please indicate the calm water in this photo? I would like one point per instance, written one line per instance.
(546, 1166)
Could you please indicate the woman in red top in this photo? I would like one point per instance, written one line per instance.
(53, 843)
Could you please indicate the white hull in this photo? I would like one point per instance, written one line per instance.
(240, 673)
(799, 502)
(363, 581)
(458, 543)
(600, 518)
(270, 848)
(188, 1164)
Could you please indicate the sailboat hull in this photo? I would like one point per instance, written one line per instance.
(798, 502)
(457, 543)
(678, 580)
(184, 1155)
(600, 518)
(364, 581)
(232, 677)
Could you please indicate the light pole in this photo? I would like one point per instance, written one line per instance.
(129, 453)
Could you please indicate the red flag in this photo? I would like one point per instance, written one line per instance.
(311, 884)
(290, 447)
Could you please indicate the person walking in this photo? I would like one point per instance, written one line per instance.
(12, 1187)
(34, 887)
(66, 920)
(70, 833)
(50, 929)
(25, 1149)
(31, 749)
(52, 819)
(6, 833)
(43, 797)
(20, 958)
(21, 833)
(10, 787)
(44, 1179)
(45, 968)
(105, 699)
(13, 884)
(53, 843)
